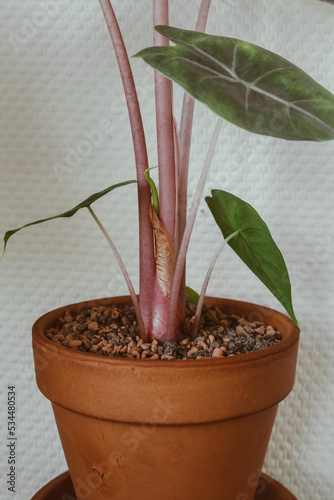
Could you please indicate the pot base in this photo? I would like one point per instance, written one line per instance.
(61, 487)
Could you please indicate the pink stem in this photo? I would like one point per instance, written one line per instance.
(146, 245)
(181, 260)
(185, 132)
(185, 142)
(177, 152)
(165, 140)
(141, 327)
(206, 283)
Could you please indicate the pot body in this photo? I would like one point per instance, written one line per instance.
(172, 430)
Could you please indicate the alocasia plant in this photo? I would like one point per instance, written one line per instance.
(245, 84)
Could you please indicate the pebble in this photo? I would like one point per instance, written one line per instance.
(75, 343)
(112, 331)
(68, 317)
(93, 325)
(241, 330)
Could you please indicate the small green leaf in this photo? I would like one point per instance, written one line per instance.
(246, 84)
(155, 197)
(84, 204)
(191, 296)
(254, 243)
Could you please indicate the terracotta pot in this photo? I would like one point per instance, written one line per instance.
(177, 430)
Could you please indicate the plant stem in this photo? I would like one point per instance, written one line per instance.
(165, 140)
(186, 130)
(206, 282)
(185, 142)
(181, 260)
(177, 160)
(120, 262)
(146, 243)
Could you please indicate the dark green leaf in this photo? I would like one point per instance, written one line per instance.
(245, 84)
(254, 243)
(84, 204)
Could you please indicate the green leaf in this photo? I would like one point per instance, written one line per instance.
(246, 84)
(84, 204)
(254, 243)
(154, 191)
(191, 296)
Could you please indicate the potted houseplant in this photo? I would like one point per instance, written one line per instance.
(252, 88)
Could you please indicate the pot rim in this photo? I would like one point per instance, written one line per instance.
(101, 386)
(290, 337)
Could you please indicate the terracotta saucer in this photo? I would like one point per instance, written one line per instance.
(269, 489)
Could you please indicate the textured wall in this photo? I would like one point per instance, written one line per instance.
(59, 83)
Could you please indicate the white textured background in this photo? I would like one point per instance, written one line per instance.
(58, 83)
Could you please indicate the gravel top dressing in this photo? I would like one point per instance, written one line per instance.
(112, 331)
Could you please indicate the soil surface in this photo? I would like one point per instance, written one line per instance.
(112, 331)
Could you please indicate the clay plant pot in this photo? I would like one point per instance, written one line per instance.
(172, 430)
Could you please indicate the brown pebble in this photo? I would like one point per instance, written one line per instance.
(166, 356)
(125, 321)
(270, 330)
(68, 317)
(131, 345)
(154, 348)
(75, 343)
(59, 336)
(184, 342)
(85, 341)
(203, 344)
(217, 353)
(155, 356)
(145, 347)
(93, 325)
(193, 350)
(261, 330)
(240, 329)
(212, 338)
